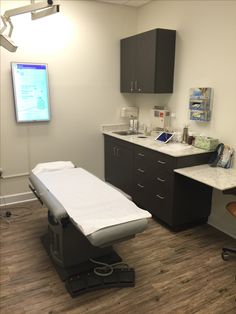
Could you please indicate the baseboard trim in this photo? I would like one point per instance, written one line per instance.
(222, 230)
(16, 198)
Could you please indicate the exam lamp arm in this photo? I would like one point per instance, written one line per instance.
(38, 10)
(30, 8)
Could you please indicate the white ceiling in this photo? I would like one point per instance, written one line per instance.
(131, 3)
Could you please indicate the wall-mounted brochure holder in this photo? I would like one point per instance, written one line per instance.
(200, 103)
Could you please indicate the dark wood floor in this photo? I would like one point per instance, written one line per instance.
(175, 272)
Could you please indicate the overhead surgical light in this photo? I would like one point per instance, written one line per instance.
(37, 10)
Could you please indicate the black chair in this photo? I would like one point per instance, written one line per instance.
(226, 252)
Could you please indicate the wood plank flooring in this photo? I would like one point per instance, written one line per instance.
(175, 272)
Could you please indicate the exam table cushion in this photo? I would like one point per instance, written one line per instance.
(52, 166)
(91, 204)
(110, 235)
(103, 237)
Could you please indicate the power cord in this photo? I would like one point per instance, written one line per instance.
(107, 269)
(6, 221)
(4, 214)
(10, 216)
(8, 213)
(25, 211)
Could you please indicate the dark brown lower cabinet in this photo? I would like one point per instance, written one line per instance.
(119, 164)
(175, 200)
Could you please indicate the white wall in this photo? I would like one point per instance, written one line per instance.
(81, 47)
(205, 57)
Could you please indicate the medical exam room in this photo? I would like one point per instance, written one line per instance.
(117, 156)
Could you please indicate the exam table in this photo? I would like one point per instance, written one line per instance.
(86, 217)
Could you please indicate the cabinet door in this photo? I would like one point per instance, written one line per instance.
(165, 59)
(127, 64)
(119, 165)
(145, 62)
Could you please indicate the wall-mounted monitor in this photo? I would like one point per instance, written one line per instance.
(31, 94)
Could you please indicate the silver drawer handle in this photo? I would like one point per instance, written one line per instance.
(141, 155)
(141, 170)
(140, 185)
(161, 197)
(161, 162)
(160, 179)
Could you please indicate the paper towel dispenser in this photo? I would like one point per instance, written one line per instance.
(129, 112)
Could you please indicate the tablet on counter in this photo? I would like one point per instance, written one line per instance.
(164, 137)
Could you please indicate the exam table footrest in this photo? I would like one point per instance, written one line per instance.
(87, 282)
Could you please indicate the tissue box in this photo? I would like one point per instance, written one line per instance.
(207, 143)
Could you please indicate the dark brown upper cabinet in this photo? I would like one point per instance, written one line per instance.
(147, 62)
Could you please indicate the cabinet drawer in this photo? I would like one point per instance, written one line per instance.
(141, 154)
(141, 195)
(161, 186)
(162, 163)
(141, 169)
(161, 207)
(141, 178)
(141, 159)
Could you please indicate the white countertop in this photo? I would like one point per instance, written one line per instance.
(219, 178)
(172, 149)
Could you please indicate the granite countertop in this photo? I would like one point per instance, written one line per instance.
(172, 149)
(219, 178)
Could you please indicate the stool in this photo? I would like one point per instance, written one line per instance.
(231, 207)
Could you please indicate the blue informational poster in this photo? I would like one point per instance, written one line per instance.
(30, 86)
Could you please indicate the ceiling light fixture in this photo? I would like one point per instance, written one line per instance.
(37, 10)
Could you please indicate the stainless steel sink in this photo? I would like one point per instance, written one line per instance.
(126, 132)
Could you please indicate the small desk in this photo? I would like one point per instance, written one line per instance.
(216, 177)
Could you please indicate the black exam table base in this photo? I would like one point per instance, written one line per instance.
(80, 278)
(227, 252)
(70, 252)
